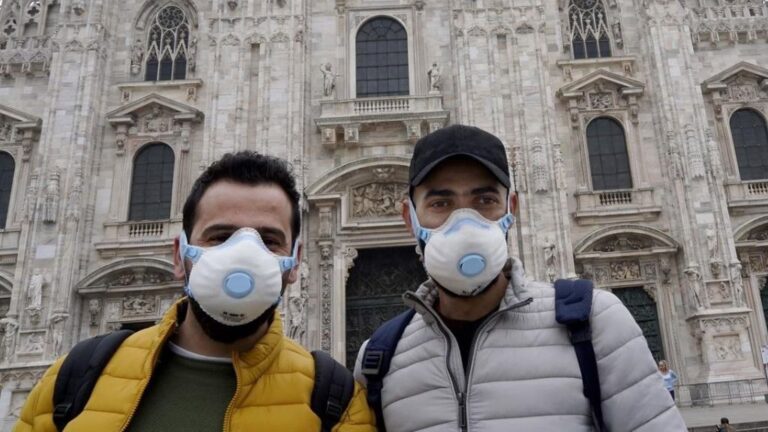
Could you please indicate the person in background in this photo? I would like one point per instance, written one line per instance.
(725, 426)
(670, 377)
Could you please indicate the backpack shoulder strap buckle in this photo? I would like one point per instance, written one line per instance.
(372, 361)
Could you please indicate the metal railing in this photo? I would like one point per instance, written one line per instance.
(727, 392)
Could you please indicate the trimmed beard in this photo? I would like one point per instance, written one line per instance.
(229, 334)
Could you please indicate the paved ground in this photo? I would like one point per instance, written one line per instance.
(744, 413)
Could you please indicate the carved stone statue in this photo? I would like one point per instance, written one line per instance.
(6, 129)
(713, 247)
(549, 259)
(56, 326)
(539, 162)
(329, 79)
(35, 295)
(699, 297)
(51, 202)
(297, 305)
(137, 57)
(192, 54)
(737, 285)
(9, 327)
(435, 78)
(94, 309)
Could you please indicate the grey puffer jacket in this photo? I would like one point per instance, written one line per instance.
(522, 373)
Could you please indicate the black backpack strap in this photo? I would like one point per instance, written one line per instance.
(377, 357)
(79, 372)
(573, 305)
(334, 388)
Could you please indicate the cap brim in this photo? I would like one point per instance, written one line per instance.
(499, 174)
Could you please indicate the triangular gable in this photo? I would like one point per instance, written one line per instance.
(21, 119)
(718, 81)
(125, 114)
(628, 86)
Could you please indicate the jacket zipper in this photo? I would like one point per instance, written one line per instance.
(230, 407)
(461, 397)
(155, 355)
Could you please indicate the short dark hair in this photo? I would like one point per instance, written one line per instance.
(724, 420)
(248, 168)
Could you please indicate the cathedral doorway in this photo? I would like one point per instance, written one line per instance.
(374, 291)
(643, 309)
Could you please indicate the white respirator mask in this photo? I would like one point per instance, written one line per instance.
(237, 281)
(466, 253)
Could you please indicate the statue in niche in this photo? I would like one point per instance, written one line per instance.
(435, 78)
(549, 259)
(192, 54)
(737, 284)
(297, 305)
(329, 79)
(713, 248)
(94, 309)
(9, 327)
(700, 300)
(56, 326)
(35, 295)
(137, 57)
(51, 201)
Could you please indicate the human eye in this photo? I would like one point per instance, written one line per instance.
(488, 200)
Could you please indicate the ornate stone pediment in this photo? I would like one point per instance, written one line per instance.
(625, 240)
(741, 82)
(600, 91)
(155, 106)
(580, 87)
(18, 128)
(130, 274)
(378, 199)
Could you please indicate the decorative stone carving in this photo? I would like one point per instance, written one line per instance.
(518, 168)
(35, 295)
(713, 248)
(623, 242)
(378, 199)
(728, 348)
(601, 100)
(137, 57)
(756, 264)
(718, 292)
(695, 159)
(32, 343)
(297, 306)
(138, 306)
(326, 282)
(759, 234)
(325, 229)
(51, 201)
(232, 4)
(329, 79)
(560, 182)
(651, 291)
(649, 271)
(6, 129)
(192, 59)
(73, 202)
(539, 167)
(714, 154)
(625, 270)
(155, 121)
(675, 163)
(383, 173)
(618, 39)
(78, 7)
(666, 270)
(30, 201)
(9, 327)
(56, 327)
(94, 310)
(550, 259)
(435, 78)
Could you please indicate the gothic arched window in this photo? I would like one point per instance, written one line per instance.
(608, 158)
(152, 183)
(382, 58)
(7, 168)
(750, 140)
(589, 29)
(167, 45)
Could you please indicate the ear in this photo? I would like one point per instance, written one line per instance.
(178, 268)
(293, 275)
(406, 214)
(513, 203)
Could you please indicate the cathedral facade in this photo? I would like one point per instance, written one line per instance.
(636, 132)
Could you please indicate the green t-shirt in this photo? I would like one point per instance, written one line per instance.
(185, 394)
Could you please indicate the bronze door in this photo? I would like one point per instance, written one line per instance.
(643, 309)
(374, 291)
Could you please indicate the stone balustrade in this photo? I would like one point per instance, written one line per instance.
(628, 204)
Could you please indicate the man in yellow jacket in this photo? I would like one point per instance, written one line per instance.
(218, 360)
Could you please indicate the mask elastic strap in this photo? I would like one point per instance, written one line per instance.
(421, 233)
(288, 263)
(506, 222)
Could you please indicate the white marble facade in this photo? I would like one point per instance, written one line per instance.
(279, 76)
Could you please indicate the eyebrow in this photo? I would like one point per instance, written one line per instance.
(449, 193)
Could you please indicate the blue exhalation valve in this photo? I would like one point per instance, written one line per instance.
(238, 285)
(471, 265)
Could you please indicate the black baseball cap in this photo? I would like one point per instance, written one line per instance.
(459, 140)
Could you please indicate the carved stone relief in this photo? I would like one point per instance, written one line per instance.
(140, 305)
(625, 270)
(728, 348)
(326, 285)
(539, 166)
(9, 327)
(296, 306)
(550, 259)
(759, 234)
(35, 295)
(94, 310)
(378, 199)
(52, 196)
(623, 242)
(32, 343)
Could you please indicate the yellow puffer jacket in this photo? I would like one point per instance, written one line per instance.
(274, 385)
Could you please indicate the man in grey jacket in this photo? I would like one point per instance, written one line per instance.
(483, 351)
